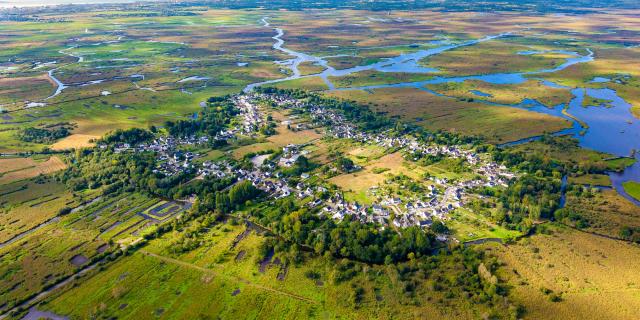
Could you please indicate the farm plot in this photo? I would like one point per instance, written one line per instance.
(53, 164)
(163, 210)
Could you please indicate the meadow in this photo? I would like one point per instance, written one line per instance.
(496, 124)
(632, 188)
(566, 273)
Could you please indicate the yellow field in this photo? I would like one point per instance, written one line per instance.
(283, 137)
(75, 141)
(597, 278)
(358, 183)
(53, 164)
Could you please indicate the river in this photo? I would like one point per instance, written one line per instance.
(611, 129)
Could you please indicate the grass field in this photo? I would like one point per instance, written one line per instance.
(307, 68)
(632, 188)
(591, 180)
(505, 94)
(606, 211)
(496, 56)
(371, 78)
(308, 83)
(595, 277)
(567, 150)
(219, 279)
(466, 225)
(495, 124)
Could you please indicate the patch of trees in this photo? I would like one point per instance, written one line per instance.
(44, 135)
(346, 239)
(630, 233)
(345, 164)
(237, 196)
(529, 199)
(571, 217)
(211, 119)
(131, 136)
(302, 164)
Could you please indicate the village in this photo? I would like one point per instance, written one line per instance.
(442, 198)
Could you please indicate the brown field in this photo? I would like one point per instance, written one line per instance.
(75, 141)
(505, 94)
(496, 124)
(53, 164)
(596, 278)
(13, 164)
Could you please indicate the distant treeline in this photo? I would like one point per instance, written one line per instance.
(542, 6)
(174, 8)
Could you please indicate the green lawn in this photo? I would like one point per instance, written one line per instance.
(632, 188)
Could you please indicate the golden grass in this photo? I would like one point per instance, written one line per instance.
(75, 141)
(494, 123)
(597, 278)
(53, 164)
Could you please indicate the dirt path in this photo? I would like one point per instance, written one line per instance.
(238, 279)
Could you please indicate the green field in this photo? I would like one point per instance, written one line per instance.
(632, 188)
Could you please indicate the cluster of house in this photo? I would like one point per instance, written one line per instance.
(252, 120)
(442, 197)
(411, 212)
